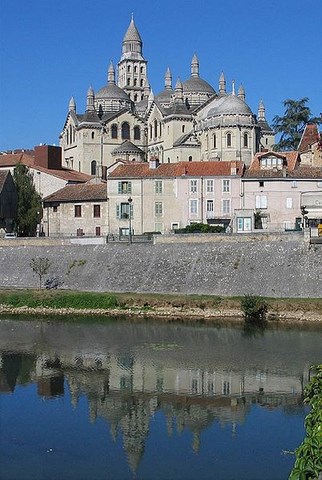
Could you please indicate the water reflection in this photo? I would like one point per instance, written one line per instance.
(196, 377)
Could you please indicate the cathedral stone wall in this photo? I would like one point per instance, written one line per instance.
(271, 268)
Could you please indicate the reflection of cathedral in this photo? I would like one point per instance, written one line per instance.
(191, 121)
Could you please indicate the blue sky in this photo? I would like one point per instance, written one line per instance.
(54, 49)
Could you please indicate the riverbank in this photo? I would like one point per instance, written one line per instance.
(205, 308)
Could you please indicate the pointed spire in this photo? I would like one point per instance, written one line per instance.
(72, 105)
(90, 99)
(233, 87)
(150, 99)
(111, 73)
(132, 33)
(168, 79)
(195, 66)
(222, 84)
(178, 96)
(241, 93)
(261, 110)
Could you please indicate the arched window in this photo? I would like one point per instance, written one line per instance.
(135, 82)
(215, 141)
(67, 136)
(93, 167)
(135, 69)
(228, 139)
(128, 81)
(135, 98)
(93, 135)
(150, 130)
(183, 127)
(125, 131)
(155, 128)
(114, 131)
(141, 82)
(190, 158)
(142, 69)
(70, 133)
(142, 97)
(245, 139)
(137, 133)
(129, 68)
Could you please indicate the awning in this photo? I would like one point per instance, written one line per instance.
(314, 213)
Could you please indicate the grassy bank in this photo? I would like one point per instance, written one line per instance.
(153, 304)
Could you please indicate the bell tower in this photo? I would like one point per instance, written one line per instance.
(132, 67)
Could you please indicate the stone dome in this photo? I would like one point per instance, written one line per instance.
(113, 92)
(197, 85)
(229, 105)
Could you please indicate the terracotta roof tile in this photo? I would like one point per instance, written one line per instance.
(310, 137)
(190, 169)
(291, 158)
(298, 172)
(79, 193)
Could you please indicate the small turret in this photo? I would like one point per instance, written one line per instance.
(72, 105)
(195, 66)
(241, 93)
(168, 79)
(90, 99)
(150, 99)
(147, 89)
(111, 74)
(261, 111)
(178, 93)
(222, 84)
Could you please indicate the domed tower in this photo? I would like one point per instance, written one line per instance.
(111, 98)
(132, 67)
(164, 97)
(196, 91)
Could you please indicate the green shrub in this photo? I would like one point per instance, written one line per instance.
(201, 228)
(308, 463)
(254, 308)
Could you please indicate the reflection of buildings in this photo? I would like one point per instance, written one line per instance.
(188, 375)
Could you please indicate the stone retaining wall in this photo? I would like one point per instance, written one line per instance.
(271, 268)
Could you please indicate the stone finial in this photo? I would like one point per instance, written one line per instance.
(72, 105)
(261, 111)
(178, 95)
(195, 66)
(90, 99)
(241, 93)
(111, 73)
(168, 79)
(151, 98)
(222, 84)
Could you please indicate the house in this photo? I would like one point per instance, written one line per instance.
(271, 191)
(44, 163)
(154, 197)
(310, 146)
(8, 201)
(77, 210)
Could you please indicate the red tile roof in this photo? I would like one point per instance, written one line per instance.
(190, 169)
(79, 193)
(291, 158)
(10, 160)
(310, 137)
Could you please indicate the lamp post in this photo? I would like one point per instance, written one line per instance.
(130, 200)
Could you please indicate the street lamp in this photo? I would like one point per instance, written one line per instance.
(130, 200)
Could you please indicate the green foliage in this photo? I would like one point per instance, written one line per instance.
(291, 125)
(254, 308)
(308, 463)
(75, 263)
(29, 211)
(40, 266)
(201, 228)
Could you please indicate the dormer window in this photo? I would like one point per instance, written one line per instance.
(267, 163)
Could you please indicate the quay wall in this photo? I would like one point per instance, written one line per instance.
(260, 265)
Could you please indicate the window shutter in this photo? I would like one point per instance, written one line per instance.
(258, 201)
(264, 201)
(120, 187)
(129, 187)
(118, 212)
(131, 210)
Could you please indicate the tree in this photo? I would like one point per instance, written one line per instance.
(29, 210)
(291, 125)
(40, 266)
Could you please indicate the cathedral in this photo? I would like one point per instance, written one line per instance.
(186, 121)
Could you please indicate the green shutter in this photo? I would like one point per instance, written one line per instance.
(129, 187)
(120, 187)
(131, 210)
(118, 213)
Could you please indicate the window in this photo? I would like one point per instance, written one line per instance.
(137, 133)
(158, 227)
(244, 224)
(97, 211)
(135, 69)
(93, 167)
(55, 208)
(93, 135)
(98, 231)
(215, 141)
(135, 81)
(124, 187)
(228, 139)
(193, 207)
(135, 98)
(261, 184)
(79, 232)
(123, 210)
(78, 210)
(289, 202)
(183, 128)
(125, 131)
(226, 186)
(114, 131)
(210, 205)
(226, 388)
(155, 128)
(294, 184)
(142, 82)
(210, 186)
(245, 140)
(128, 81)
(261, 201)
(174, 225)
(158, 209)
(226, 206)
(158, 186)
(190, 158)
(193, 186)
(142, 69)
(129, 68)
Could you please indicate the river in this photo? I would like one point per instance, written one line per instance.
(120, 399)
